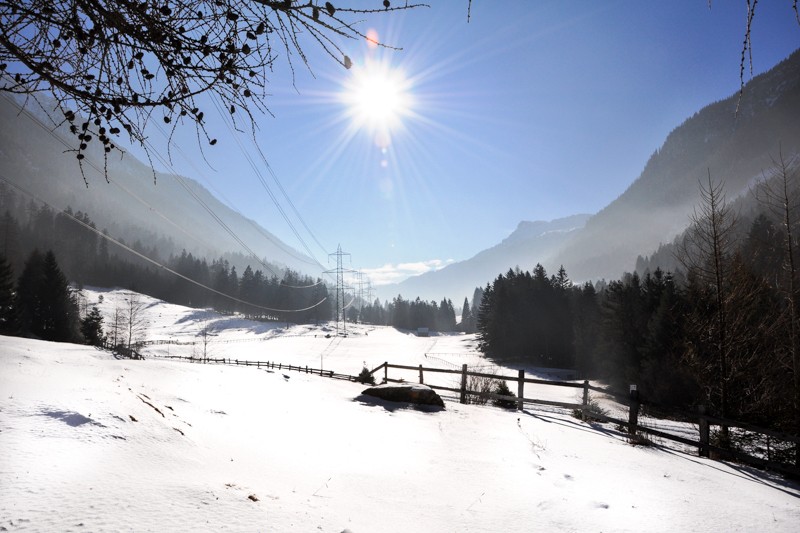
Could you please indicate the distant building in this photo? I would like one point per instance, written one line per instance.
(423, 332)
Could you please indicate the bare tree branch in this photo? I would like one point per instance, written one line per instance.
(116, 65)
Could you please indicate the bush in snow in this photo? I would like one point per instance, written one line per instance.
(366, 377)
(592, 408)
(501, 387)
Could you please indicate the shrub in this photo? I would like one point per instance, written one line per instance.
(501, 387)
(592, 408)
(365, 377)
(479, 387)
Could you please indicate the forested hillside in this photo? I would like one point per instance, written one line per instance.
(88, 258)
(721, 331)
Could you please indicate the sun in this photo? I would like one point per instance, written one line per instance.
(377, 98)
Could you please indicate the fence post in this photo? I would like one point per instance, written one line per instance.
(420, 375)
(520, 390)
(464, 383)
(386, 372)
(633, 414)
(585, 399)
(704, 431)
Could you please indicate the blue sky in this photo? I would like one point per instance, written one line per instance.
(534, 110)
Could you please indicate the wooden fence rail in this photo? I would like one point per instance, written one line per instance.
(262, 364)
(703, 420)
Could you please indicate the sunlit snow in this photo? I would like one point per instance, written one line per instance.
(92, 443)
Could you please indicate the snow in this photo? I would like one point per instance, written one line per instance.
(92, 443)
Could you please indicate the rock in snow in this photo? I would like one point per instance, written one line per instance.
(403, 392)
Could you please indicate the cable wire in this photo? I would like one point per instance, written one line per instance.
(153, 261)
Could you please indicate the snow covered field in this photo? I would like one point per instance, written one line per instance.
(92, 443)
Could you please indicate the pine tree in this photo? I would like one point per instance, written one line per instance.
(9, 236)
(467, 324)
(92, 327)
(7, 315)
(27, 299)
(46, 307)
(59, 309)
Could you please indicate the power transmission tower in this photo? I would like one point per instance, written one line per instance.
(370, 292)
(341, 315)
(361, 282)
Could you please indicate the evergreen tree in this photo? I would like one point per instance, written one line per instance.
(467, 324)
(92, 327)
(10, 231)
(46, 307)
(27, 299)
(586, 328)
(59, 308)
(7, 314)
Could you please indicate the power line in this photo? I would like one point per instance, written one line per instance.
(179, 179)
(219, 220)
(153, 261)
(259, 175)
(277, 242)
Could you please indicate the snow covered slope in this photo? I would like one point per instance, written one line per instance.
(92, 443)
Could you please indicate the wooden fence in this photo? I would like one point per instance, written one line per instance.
(270, 365)
(703, 421)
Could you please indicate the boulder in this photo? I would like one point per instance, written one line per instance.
(406, 392)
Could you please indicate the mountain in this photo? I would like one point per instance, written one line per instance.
(734, 146)
(166, 213)
(531, 243)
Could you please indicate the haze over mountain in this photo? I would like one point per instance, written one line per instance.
(167, 215)
(733, 146)
(531, 243)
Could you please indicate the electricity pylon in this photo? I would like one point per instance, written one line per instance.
(341, 315)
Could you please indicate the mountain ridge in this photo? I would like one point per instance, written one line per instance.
(133, 202)
(734, 140)
(542, 238)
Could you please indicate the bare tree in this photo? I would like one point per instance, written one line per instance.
(705, 253)
(114, 65)
(206, 334)
(134, 325)
(779, 191)
(115, 326)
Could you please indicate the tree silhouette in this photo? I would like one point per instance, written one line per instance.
(92, 327)
(114, 65)
(45, 306)
(7, 315)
